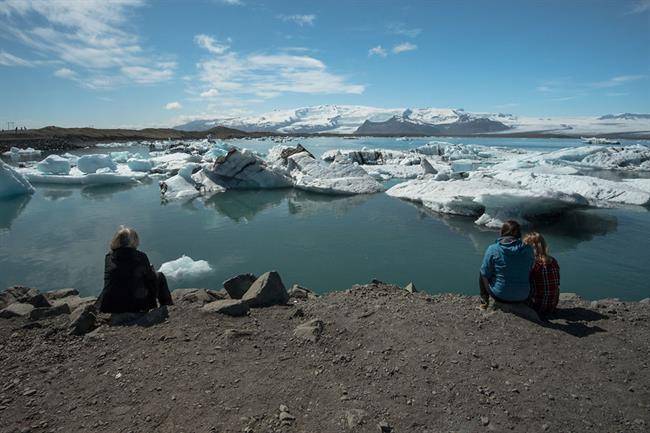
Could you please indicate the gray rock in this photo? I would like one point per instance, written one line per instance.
(267, 290)
(299, 292)
(384, 427)
(310, 331)
(74, 301)
(23, 295)
(237, 286)
(230, 307)
(150, 318)
(193, 296)
(83, 319)
(42, 313)
(570, 297)
(61, 293)
(16, 309)
(410, 287)
(353, 418)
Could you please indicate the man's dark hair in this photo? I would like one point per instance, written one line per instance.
(511, 228)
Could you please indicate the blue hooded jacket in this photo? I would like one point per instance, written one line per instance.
(506, 265)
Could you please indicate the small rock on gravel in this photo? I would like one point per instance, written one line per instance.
(311, 330)
(230, 307)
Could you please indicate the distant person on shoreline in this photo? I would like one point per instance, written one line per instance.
(131, 284)
(505, 272)
(544, 277)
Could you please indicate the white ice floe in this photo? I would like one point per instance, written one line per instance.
(172, 162)
(13, 183)
(91, 163)
(16, 152)
(184, 268)
(491, 200)
(103, 176)
(120, 157)
(365, 156)
(54, 164)
(190, 182)
(310, 174)
(140, 164)
(598, 192)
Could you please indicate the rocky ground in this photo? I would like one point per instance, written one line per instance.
(374, 358)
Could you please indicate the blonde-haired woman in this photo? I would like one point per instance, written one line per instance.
(131, 284)
(544, 276)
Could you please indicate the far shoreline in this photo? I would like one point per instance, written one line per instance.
(53, 138)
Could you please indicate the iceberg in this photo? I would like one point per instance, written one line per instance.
(242, 169)
(598, 192)
(121, 157)
(76, 177)
(18, 154)
(367, 156)
(13, 183)
(489, 199)
(54, 164)
(91, 163)
(184, 268)
(138, 164)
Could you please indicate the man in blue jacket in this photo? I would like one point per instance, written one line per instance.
(506, 267)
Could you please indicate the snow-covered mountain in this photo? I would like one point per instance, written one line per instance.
(348, 119)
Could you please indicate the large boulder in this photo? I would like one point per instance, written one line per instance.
(299, 292)
(61, 293)
(267, 290)
(16, 309)
(230, 307)
(237, 286)
(83, 319)
(45, 312)
(195, 296)
(24, 295)
(74, 301)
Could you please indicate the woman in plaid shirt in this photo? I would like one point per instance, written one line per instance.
(544, 276)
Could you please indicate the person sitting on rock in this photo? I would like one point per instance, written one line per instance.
(131, 284)
(505, 271)
(544, 277)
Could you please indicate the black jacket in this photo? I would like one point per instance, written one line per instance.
(129, 282)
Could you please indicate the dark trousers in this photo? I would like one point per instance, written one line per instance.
(486, 293)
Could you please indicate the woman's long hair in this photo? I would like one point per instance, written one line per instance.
(125, 237)
(537, 241)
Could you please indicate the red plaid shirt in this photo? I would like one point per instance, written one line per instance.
(545, 285)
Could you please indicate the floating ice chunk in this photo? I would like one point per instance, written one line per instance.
(242, 169)
(393, 171)
(121, 157)
(70, 157)
(490, 199)
(598, 192)
(91, 163)
(180, 188)
(172, 162)
(369, 156)
(54, 164)
(17, 154)
(312, 175)
(77, 177)
(184, 268)
(214, 153)
(137, 164)
(13, 183)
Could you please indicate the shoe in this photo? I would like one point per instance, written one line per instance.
(483, 306)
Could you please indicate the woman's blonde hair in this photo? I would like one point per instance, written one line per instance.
(125, 237)
(537, 241)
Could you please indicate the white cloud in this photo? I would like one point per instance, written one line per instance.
(617, 81)
(232, 2)
(639, 7)
(65, 73)
(233, 75)
(301, 20)
(173, 106)
(210, 93)
(8, 59)
(403, 47)
(210, 44)
(93, 36)
(402, 30)
(544, 89)
(377, 51)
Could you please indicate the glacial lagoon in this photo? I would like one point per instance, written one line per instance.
(58, 236)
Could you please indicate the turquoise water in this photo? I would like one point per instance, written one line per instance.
(58, 237)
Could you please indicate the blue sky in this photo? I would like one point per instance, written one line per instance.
(157, 63)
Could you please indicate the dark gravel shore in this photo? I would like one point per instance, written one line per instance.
(377, 359)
